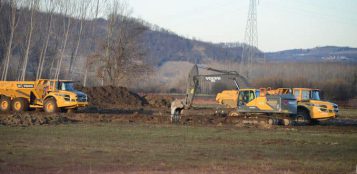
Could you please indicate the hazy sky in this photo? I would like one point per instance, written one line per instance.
(282, 24)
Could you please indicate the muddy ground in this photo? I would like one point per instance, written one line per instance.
(147, 115)
(120, 105)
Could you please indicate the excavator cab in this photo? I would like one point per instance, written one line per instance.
(246, 96)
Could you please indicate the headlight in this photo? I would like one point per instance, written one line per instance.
(82, 98)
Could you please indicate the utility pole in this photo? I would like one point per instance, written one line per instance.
(250, 45)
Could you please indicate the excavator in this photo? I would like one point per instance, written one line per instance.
(273, 108)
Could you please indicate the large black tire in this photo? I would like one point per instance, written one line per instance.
(273, 121)
(65, 110)
(50, 106)
(315, 122)
(5, 104)
(20, 105)
(303, 117)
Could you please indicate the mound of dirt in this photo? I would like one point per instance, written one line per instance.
(110, 96)
(30, 119)
(159, 101)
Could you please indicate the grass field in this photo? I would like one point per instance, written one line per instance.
(142, 148)
(348, 113)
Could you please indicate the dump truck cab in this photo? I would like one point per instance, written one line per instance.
(311, 106)
(65, 95)
(51, 95)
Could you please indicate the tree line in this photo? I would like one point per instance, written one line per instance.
(67, 39)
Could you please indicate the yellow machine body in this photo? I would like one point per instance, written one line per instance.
(36, 93)
(309, 101)
(256, 100)
(229, 98)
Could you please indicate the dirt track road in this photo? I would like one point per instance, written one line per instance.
(198, 116)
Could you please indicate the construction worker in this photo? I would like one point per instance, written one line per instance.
(251, 96)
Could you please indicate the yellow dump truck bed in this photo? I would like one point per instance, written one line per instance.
(15, 89)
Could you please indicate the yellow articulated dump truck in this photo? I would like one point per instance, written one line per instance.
(311, 108)
(50, 95)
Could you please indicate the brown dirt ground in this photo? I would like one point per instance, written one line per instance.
(119, 97)
(148, 115)
(159, 101)
(118, 104)
(110, 96)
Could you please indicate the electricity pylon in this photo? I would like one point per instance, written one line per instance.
(250, 45)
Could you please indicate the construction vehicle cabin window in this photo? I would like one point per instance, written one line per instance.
(246, 97)
(305, 95)
(52, 86)
(315, 95)
(297, 94)
(66, 86)
(257, 93)
(251, 96)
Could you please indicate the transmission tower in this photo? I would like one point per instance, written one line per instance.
(250, 45)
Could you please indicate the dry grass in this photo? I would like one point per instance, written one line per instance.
(138, 148)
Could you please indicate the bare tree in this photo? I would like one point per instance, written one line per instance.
(90, 59)
(123, 55)
(14, 19)
(1, 5)
(50, 8)
(113, 11)
(33, 6)
(83, 9)
(66, 6)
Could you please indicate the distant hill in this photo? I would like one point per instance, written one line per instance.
(160, 45)
(163, 46)
(327, 53)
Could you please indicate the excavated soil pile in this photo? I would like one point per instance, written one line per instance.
(159, 101)
(110, 96)
(30, 119)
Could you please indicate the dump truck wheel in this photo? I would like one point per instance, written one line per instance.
(65, 110)
(5, 104)
(50, 106)
(286, 122)
(74, 110)
(315, 122)
(20, 105)
(273, 121)
(303, 117)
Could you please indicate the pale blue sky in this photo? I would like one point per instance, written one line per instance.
(282, 24)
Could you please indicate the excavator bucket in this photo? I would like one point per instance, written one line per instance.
(191, 86)
(178, 105)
